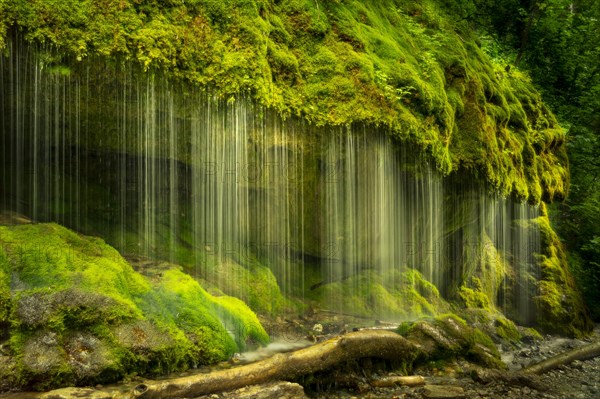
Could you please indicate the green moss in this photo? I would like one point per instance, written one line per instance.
(48, 259)
(560, 306)
(402, 65)
(252, 282)
(375, 294)
(67, 292)
(507, 330)
(532, 334)
(448, 336)
(474, 297)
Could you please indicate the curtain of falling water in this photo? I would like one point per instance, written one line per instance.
(379, 217)
(166, 172)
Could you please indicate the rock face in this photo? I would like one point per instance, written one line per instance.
(258, 206)
(403, 67)
(360, 218)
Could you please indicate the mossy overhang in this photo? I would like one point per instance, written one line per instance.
(404, 66)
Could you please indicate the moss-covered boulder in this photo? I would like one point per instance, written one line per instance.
(404, 295)
(75, 312)
(449, 337)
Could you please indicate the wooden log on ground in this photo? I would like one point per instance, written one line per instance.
(286, 366)
(582, 353)
(392, 381)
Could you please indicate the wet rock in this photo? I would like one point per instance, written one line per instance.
(274, 390)
(42, 354)
(141, 336)
(75, 393)
(8, 367)
(87, 355)
(433, 338)
(67, 306)
(443, 392)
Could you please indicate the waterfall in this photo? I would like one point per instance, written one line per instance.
(342, 215)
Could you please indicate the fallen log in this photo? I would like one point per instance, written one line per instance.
(392, 381)
(286, 366)
(582, 353)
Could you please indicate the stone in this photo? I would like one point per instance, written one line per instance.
(443, 392)
(74, 393)
(273, 390)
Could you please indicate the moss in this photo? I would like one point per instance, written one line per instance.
(402, 65)
(474, 297)
(71, 293)
(376, 294)
(448, 336)
(560, 306)
(253, 282)
(532, 334)
(507, 330)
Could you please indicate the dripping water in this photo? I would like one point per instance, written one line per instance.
(342, 215)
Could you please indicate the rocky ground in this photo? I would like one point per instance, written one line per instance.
(579, 380)
(456, 379)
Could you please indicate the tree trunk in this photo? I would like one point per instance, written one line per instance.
(392, 381)
(287, 366)
(583, 353)
(533, 13)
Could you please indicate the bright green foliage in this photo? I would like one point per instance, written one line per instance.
(60, 290)
(45, 258)
(179, 302)
(404, 65)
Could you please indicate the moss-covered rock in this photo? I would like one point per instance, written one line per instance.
(77, 312)
(560, 306)
(449, 337)
(404, 65)
(403, 295)
(472, 295)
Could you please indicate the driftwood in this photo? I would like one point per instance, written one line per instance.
(582, 353)
(392, 381)
(528, 375)
(285, 366)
